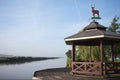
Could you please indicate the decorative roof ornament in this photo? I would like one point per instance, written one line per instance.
(95, 14)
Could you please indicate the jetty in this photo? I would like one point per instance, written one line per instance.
(65, 74)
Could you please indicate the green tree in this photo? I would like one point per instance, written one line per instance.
(69, 60)
(82, 53)
(115, 27)
(87, 53)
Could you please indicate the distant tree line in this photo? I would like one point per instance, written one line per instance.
(23, 59)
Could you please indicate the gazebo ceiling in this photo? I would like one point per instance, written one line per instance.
(92, 34)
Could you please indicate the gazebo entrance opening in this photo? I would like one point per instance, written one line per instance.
(94, 35)
(101, 67)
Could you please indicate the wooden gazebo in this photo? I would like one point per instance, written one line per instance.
(94, 34)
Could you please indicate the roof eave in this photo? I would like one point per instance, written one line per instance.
(83, 38)
(69, 40)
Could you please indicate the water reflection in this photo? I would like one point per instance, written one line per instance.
(27, 69)
(19, 62)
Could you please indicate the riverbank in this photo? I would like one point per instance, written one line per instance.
(64, 74)
(19, 59)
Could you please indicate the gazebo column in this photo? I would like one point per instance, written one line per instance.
(101, 56)
(113, 58)
(73, 52)
(112, 55)
(73, 56)
(101, 51)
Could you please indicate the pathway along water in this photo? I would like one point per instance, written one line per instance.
(26, 70)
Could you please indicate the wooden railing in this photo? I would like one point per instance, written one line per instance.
(111, 67)
(87, 68)
(95, 68)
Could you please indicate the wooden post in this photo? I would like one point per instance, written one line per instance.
(112, 48)
(73, 52)
(101, 51)
(113, 57)
(101, 56)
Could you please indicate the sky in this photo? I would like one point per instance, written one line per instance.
(38, 27)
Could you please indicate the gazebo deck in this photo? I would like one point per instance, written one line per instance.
(64, 74)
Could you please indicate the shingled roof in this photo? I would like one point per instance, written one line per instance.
(94, 25)
(92, 32)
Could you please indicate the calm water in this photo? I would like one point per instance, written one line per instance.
(26, 70)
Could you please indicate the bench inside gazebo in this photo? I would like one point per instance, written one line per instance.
(94, 34)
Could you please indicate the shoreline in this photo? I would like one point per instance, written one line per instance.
(64, 74)
(21, 60)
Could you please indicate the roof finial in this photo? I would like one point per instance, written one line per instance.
(95, 13)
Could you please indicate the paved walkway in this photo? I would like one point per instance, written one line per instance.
(64, 74)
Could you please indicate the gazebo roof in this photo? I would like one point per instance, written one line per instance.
(94, 25)
(91, 34)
